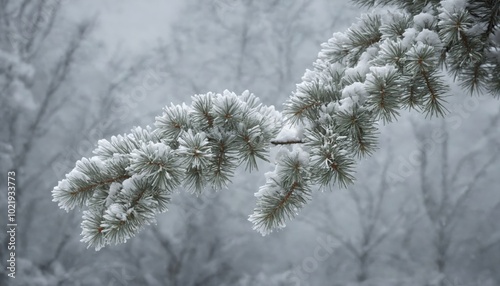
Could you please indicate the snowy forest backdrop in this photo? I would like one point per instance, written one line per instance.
(75, 72)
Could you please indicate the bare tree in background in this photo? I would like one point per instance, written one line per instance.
(290, 31)
(196, 250)
(254, 45)
(26, 107)
(375, 216)
(445, 193)
(33, 21)
(38, 61)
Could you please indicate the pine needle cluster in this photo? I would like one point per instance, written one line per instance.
(387, 61)
(131, 177)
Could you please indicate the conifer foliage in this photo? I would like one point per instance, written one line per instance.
(385, 62)
(132, 176)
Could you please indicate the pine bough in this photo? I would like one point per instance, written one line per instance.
(387, 61)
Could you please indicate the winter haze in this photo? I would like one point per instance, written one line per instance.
(423, 210)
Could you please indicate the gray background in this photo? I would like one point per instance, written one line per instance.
(423, 211)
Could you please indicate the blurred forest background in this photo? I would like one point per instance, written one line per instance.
(425, 209)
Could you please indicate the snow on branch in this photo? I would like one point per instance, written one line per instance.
(385, 62)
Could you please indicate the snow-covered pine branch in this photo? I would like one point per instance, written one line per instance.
(132, 176)
(387, 61)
